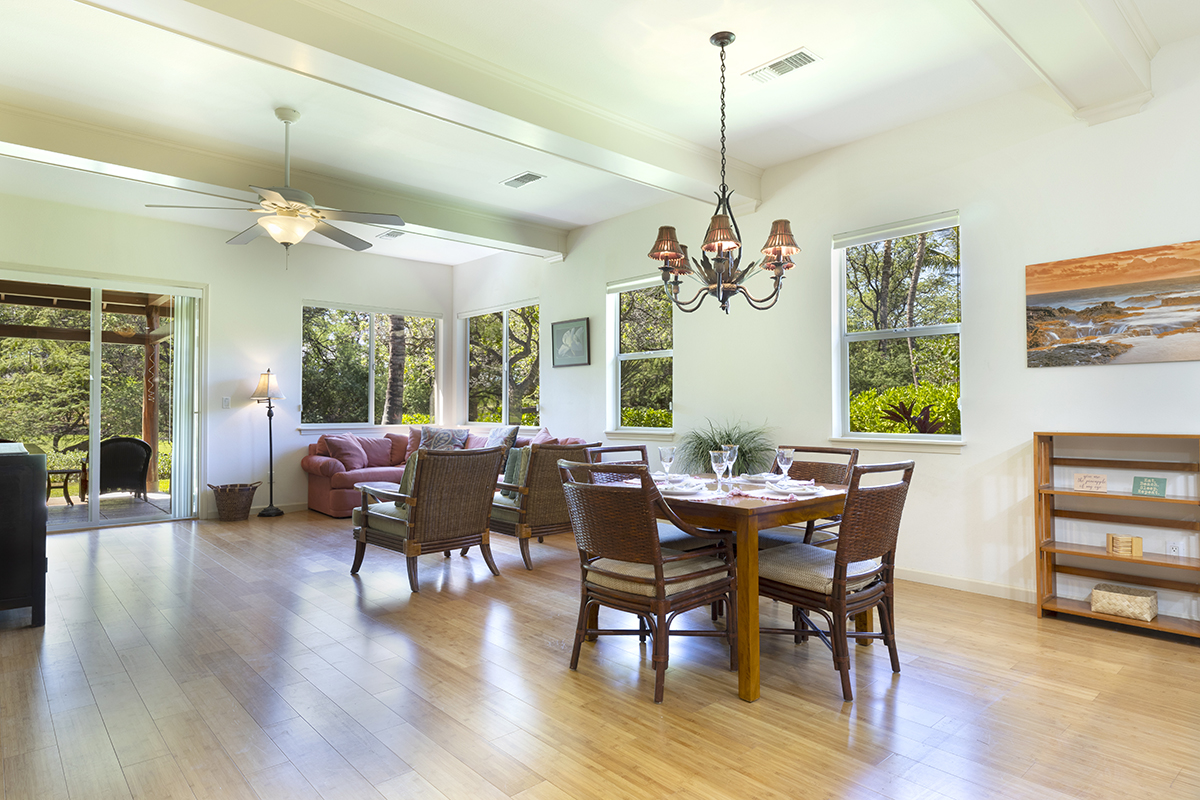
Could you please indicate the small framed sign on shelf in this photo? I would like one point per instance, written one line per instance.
(1091, 482)
(1149, 487)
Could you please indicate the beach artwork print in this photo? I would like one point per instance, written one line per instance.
(1133, 307)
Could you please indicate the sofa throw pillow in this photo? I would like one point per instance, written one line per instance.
(504, 436)
(543, 437)
(346, 449)
(378, 450)
(474, 441)
(443, 438)
(399, 444)
(516, 470)
(414, 442)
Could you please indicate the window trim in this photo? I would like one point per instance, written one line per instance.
(842, 338)
(614, 357)
(502, 310)
(438, 375)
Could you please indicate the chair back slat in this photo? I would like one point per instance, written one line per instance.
(871, 518)
(545, 504)
(453, 491)
(615, 454)
(828, 471)
(612, 520)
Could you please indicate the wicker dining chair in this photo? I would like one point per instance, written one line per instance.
(855, 578)
(445, 509)
(624, 567)
(834, 470)
(536, 507)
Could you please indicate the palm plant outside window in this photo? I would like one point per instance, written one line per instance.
(503, 366)
(900, 345)
(367, 367)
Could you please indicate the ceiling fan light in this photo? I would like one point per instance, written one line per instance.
(287, 230)
(780, 243)
(720, 238)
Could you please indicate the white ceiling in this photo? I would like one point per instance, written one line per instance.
(423, 109)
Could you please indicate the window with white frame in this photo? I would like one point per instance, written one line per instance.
(901, 317)
(503, 366)
(367, 367)
(641, 322)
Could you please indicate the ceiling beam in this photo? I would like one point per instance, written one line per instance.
(344, 46)
(1095, 54)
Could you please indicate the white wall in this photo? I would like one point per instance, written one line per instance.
(1032, 185)
(251, 315)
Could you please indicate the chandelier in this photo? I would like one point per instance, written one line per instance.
(722, 276)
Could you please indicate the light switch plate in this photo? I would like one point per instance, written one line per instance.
(224, 402)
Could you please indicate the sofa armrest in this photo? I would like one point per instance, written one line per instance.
(322, 465)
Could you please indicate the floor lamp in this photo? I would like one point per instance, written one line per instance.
(267, 391)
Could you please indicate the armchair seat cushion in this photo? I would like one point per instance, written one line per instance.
(504, 509)
(807, 567)
(387, 517)
(671, 569)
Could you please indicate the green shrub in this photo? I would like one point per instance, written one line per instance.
(416, 419)
(867, 408)
(645, 418)
(756, 451)
(164, 461)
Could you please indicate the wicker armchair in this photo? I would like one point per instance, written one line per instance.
(837, 470)
(538, 508)
(446, 509)
(855, 578)
(124, 464)
(625, 568)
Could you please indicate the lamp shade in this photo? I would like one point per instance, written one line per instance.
(666, 245)
(287, 229)
(267, 388)
(780, 243)
(720, 238)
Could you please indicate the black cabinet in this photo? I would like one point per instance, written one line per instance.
(23, 534)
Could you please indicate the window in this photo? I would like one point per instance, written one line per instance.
(503, 366)
(367, 367)
(900, 339)
(644, 358)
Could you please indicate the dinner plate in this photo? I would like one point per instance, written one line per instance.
(756, 479)
(805, 489)
(682, 490)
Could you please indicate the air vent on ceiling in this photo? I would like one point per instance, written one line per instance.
(778, 67)
(389, 235)
(517, 181)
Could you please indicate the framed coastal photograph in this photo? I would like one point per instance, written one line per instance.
(570, 340)
(1133, 307)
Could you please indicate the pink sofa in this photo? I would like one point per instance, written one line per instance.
(335, 463)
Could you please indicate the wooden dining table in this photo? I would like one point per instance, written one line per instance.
(746, 516)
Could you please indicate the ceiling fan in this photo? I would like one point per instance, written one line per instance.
(290, 214)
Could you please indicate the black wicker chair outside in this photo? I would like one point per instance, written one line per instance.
(124, 465)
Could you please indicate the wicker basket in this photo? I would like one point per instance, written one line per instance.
(1123, 601)
(233, 500)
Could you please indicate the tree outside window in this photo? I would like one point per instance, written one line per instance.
(901, 343)
(503, 366)
(365, 367)
(644, 358)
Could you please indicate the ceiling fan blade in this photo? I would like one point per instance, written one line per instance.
(270, 194)
(247, 236)
(361, 216)
(340, 236)
(208, 208)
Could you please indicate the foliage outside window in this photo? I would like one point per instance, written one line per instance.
(644, 358)
(503, 367)
(901, 343)
(364, 367)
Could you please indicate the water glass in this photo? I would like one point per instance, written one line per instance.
(667, 456)
(719, 464)
(783, 457)
(731, 451)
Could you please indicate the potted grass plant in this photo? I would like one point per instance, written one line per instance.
(756, 450)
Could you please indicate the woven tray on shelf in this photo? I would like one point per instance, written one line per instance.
(233, 500)
(1124, 601)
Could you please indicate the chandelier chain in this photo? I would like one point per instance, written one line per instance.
(723, 186)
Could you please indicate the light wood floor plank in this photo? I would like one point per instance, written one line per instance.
(35, 775)
(206, 767)
(90, 764)
(158, 779)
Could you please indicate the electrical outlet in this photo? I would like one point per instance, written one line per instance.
(224, 402)
(1174, 548)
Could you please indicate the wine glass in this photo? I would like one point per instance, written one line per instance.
(731, 451)
(783, 457)
(667, 456)
(719, 464)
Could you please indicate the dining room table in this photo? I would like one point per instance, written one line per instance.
(746, 512)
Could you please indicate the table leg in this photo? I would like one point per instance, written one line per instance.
(66, 489)
(864, 622)
(747, 611)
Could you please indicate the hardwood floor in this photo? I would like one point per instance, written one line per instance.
(241, 660)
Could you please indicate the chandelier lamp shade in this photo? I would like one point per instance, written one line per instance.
(719, 270)
(266, 391)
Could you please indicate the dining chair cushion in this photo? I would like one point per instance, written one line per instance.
(443, 438)
(670, 537)
(516, 470)
(385, 517)
(671, 569)
(806, 566)
(791, 534)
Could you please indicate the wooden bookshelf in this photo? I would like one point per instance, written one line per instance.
(1175, 573)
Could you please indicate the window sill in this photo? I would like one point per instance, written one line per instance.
(900, 444)
(636, 434)
(319, 429)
